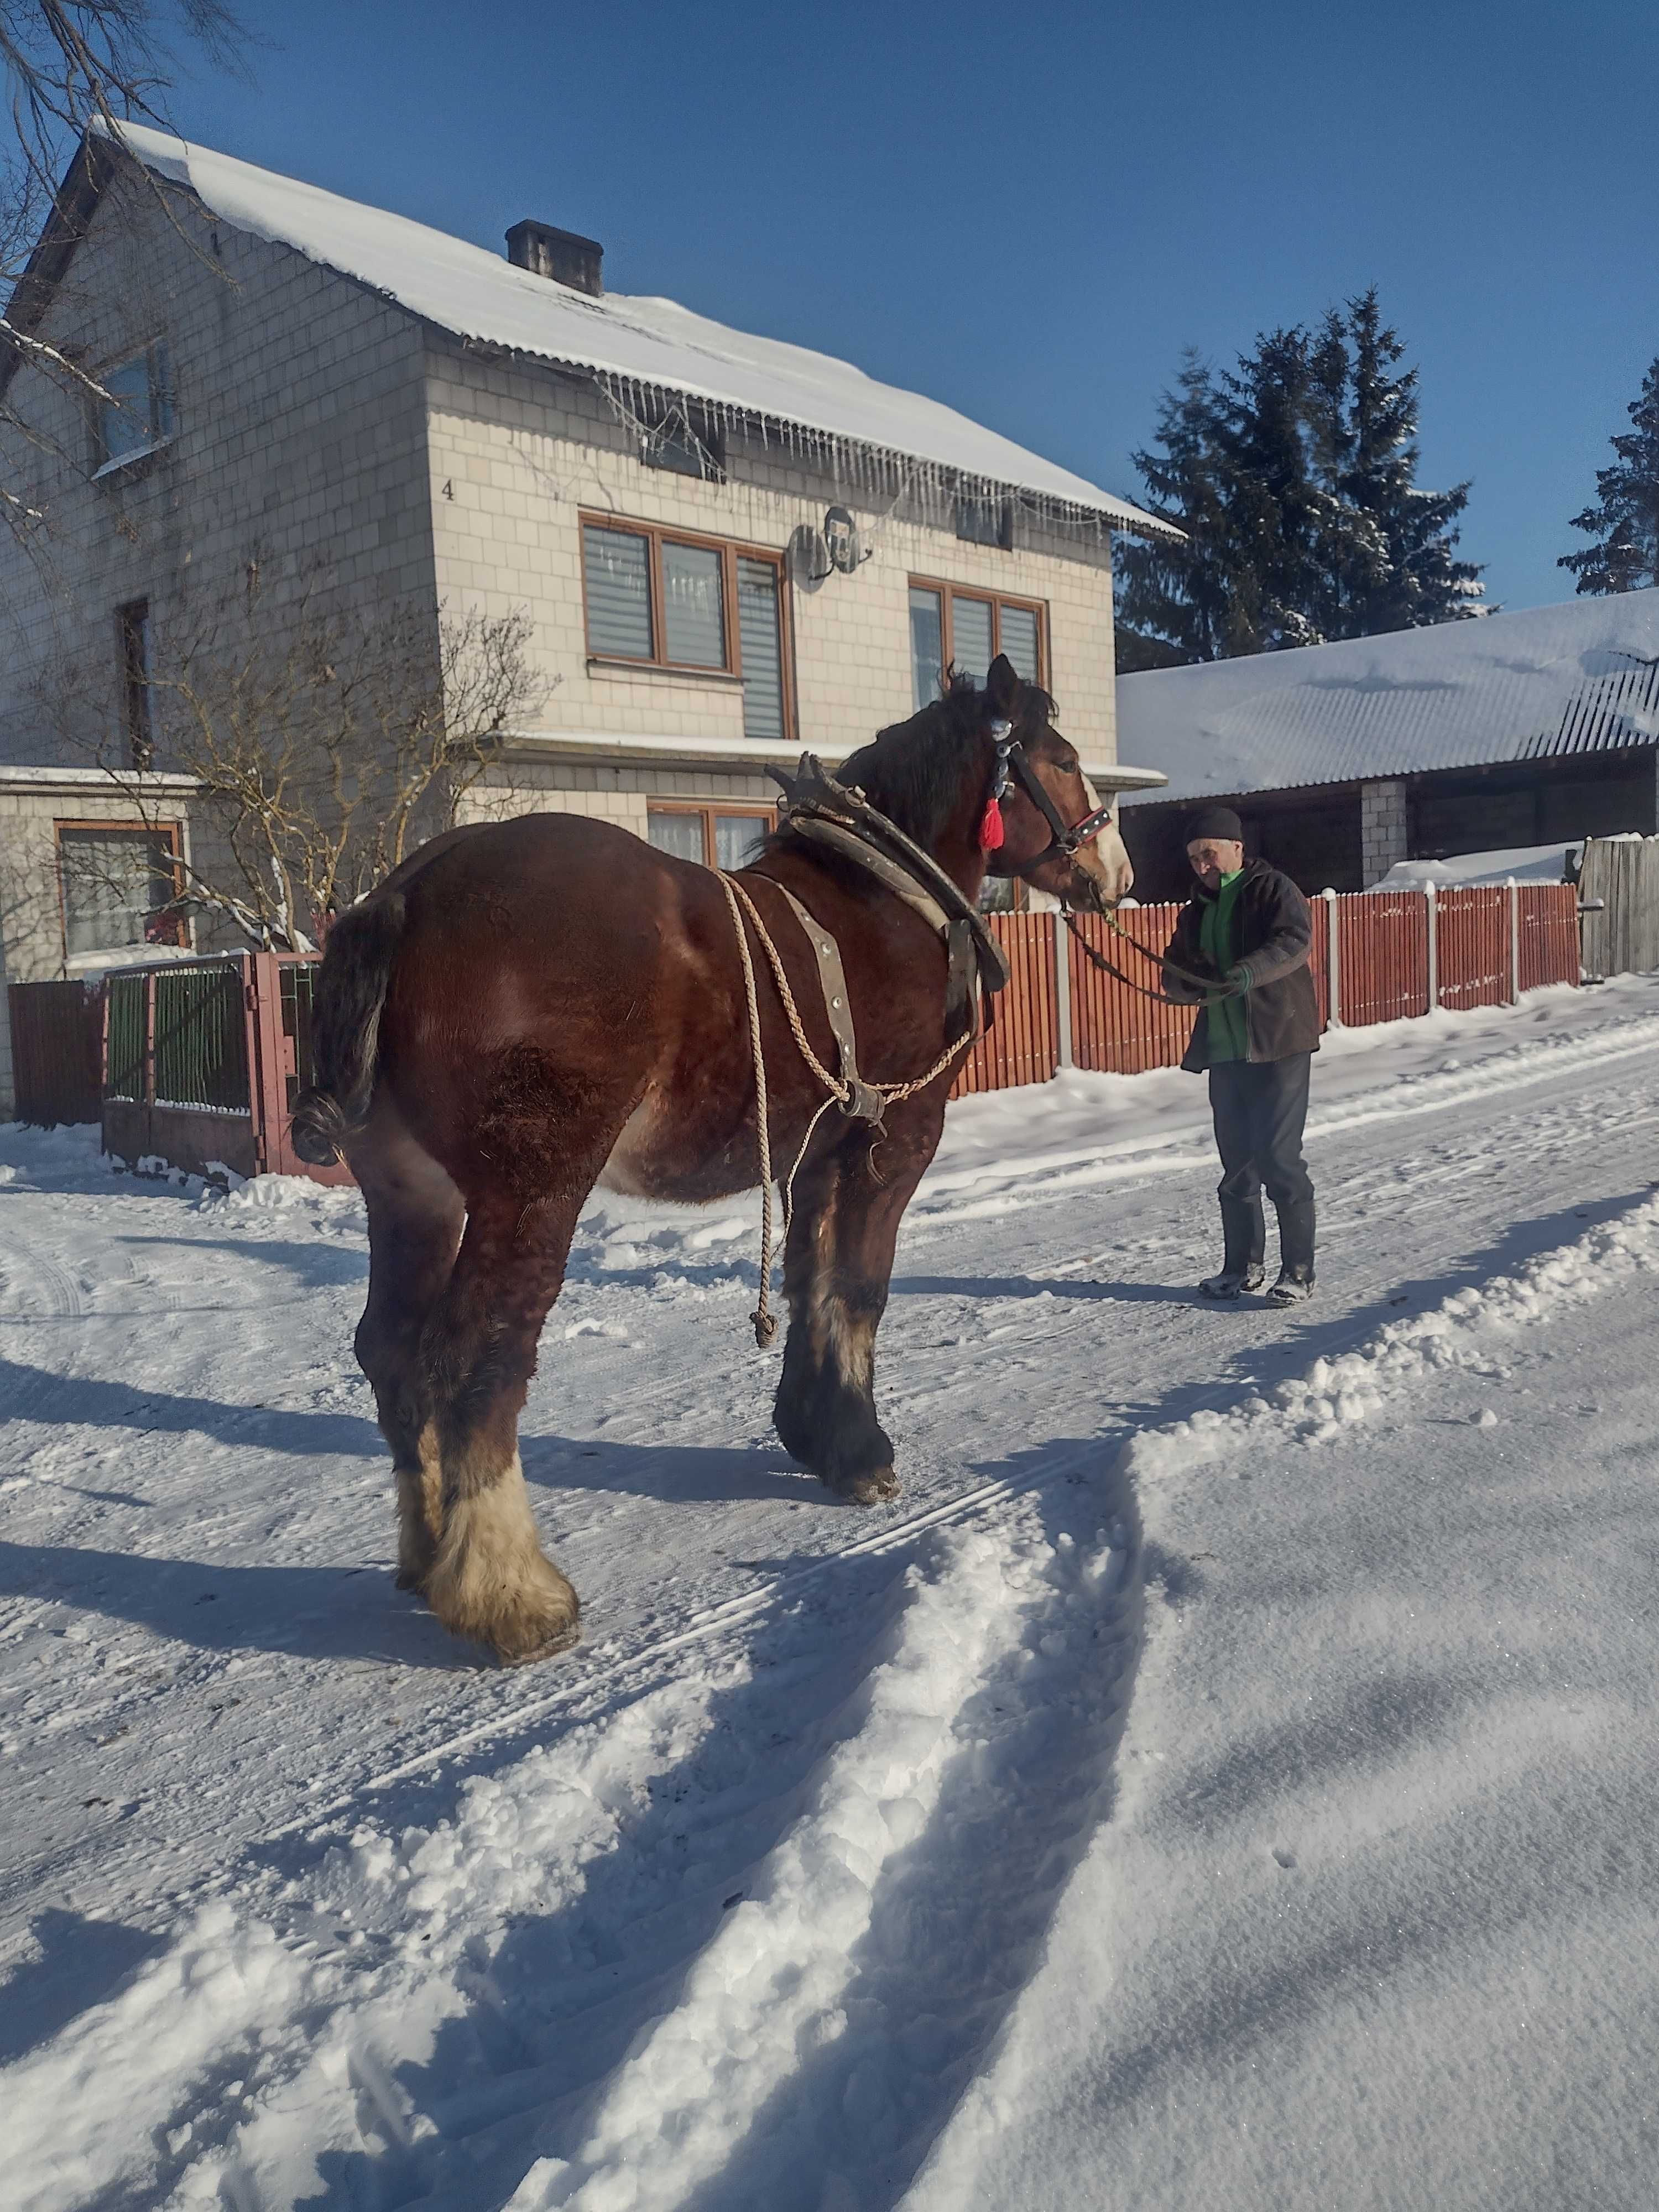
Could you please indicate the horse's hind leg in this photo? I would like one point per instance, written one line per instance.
(836, 1271)
(491, 1579)
(415, 1218)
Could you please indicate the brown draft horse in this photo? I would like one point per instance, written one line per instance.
(526, 1009)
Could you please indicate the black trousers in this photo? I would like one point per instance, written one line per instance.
(1261, 1107)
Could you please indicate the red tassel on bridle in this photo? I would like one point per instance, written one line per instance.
(990, 826)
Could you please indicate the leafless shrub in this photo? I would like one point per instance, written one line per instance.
(322, 748)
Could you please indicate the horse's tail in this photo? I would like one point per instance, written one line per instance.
(345, 1026)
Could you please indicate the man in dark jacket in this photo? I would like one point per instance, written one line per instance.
(1240, 948)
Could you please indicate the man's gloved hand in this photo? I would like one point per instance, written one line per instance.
(1237, 981)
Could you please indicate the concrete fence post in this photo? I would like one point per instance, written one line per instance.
(1515, 942)
(1063, 990)
(1333, 958)
(1433, 907)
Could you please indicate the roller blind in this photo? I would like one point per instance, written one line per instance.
(970, 637)
(1018, 627)
(693, 606)
(761, 641)
(926, 646)
(618, 566)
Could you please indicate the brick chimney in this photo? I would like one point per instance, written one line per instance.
(559, 254)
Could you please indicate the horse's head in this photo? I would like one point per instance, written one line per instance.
(1057, 833)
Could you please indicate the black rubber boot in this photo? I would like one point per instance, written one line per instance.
(1244, 1236)
(1296, 1240)
(1232, 1282)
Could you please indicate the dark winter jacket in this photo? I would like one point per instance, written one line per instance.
(1273, 932)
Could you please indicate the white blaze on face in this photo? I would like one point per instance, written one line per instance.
(1105, 857)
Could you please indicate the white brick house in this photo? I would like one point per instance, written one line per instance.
(317, 396)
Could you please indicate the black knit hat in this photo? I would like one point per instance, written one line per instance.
(1214, 821)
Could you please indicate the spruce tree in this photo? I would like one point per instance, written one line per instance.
(1625, 521)
(1294, 477)
(1407, 574)
(1174, 599)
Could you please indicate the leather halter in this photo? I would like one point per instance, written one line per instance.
(1066, 837)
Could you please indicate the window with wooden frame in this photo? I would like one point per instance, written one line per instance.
(655, 598)
(953, 627)
(118, 882)
(718, 836)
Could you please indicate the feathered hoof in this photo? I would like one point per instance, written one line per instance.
(874, 1487)
(564, 1639)
(491, 1583)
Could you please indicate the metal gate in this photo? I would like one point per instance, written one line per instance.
(178, 1060)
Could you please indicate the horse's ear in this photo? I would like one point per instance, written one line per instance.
(1002, 686)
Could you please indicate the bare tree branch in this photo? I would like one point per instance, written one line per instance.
(322, 748)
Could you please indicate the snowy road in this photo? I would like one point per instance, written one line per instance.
(1224, 1777)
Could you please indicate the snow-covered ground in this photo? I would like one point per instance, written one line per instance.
(1229, 1776)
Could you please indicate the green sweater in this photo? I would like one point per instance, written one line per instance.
(1228, 1039)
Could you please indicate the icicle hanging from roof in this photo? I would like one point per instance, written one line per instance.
(867, 473)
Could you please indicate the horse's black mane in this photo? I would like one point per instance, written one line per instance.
(913, 771)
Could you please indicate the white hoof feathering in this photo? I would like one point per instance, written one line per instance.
(491, 1580)
(420, 1512)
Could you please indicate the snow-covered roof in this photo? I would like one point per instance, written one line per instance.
(652, 344)
(1526, 864)
(1580, 678)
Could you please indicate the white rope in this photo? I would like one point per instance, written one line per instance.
(839, 1092)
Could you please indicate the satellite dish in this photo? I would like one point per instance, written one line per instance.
(841, 536)
(810, 564)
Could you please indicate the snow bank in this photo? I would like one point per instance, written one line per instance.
(1526, 864)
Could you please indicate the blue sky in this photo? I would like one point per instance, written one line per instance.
(1027, 212)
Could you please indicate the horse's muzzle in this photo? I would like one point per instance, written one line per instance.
(1088, 894)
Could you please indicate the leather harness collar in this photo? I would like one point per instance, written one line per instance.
(841, 820)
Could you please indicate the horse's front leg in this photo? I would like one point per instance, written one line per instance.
(836, 1270)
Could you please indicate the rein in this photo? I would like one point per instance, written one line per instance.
(1204, 983)
(1065, 840)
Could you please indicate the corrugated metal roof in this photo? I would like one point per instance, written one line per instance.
(1575, 678)
(653, 344)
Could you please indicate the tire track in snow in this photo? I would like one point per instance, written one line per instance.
(1057, 1176)
(451, 1903)
(715, 1899)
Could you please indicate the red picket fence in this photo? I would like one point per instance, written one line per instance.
(1382, 955)
(1023, 1044)
(1487, 944)
(201, 1060)
(1114, 1031)
(1475, 945)
(1549, 934)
